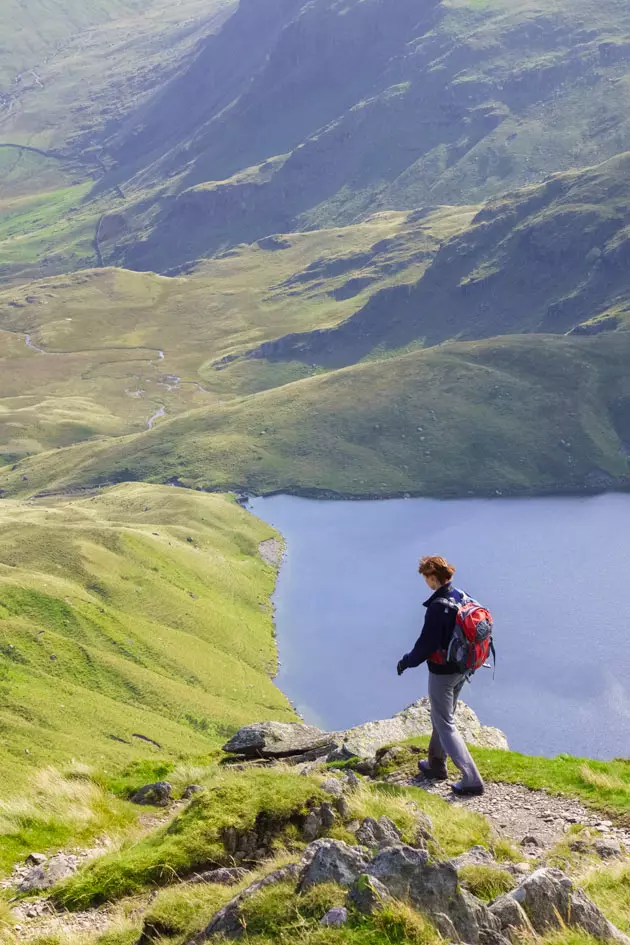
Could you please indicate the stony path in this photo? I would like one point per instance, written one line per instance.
(517, 812)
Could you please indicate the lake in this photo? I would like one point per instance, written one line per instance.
(554, 572)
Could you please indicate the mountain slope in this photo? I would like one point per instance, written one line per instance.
(518, 415)
(130, 620)
(551, 258)
(451, 102)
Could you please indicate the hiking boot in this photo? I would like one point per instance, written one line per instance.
(467, 790)
(438, 773)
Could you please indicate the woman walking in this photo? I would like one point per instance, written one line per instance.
(445, 678)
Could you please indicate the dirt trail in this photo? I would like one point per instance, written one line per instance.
(517, 812)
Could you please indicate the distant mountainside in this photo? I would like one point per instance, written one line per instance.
(204, 125)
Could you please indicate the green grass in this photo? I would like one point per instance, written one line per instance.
(610, 889)
(486, 882)
(60, 809)
(194, 840)
(278, 915)
(370, 430)
(113, 625)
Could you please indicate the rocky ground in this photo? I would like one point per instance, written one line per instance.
(537, 823)
(534, 819)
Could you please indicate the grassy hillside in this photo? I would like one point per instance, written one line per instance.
(101, 334)
(551, 259)
(132, 623)
(526, 414)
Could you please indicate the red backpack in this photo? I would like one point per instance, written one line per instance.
(471, 643)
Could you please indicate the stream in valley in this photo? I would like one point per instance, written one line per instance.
(554, 572)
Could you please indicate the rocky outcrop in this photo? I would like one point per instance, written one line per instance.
(279, 740)
(48, 873)
(298, 742)
(548, 900)
(332, 861)
(377, 833)
(432, 888)
(365, 740)
(544, 901)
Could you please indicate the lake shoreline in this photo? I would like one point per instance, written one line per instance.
(347, 603)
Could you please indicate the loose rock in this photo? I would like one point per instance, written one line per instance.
(157, 795)
(335, 918)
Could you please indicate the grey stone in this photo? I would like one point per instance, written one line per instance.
(432, 888)
(492, 937)
(56, 869)
(531, 841)
(445, 927)
(36, 859)
(367, 895)
(365, 740)
(550, 901)
(586, 915)
(226, 920)
(608, 849)
(512, 917)
(317, 822)
(335, 918)
(277, 739)
(226, 876)
(331, 861)
(311, 826)
(191, 790)
(327, 816)
(342, 807)
(476, 856)
(157, 795)
(375, 833)
(545, 896)
(333, 786)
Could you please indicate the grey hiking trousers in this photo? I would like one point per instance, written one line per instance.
(443, 694)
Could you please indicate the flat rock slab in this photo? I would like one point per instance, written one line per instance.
(278, 739)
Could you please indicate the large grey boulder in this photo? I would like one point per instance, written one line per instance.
(331, 861)
(549, 900)
(278, 740)
(365, 740)
(432, 888)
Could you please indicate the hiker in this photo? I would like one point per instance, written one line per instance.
(446, 677)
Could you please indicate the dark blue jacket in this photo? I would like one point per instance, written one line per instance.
(439, 623)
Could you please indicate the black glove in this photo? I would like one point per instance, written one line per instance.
(400, 668)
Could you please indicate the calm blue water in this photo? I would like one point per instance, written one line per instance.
(554, 571)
